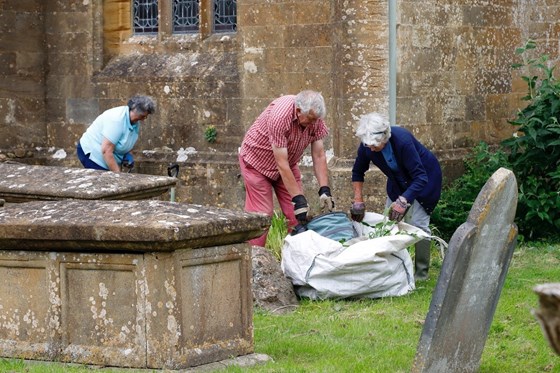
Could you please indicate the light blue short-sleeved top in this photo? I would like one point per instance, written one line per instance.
(114, 125)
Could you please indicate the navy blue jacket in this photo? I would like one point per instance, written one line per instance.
(419, 175)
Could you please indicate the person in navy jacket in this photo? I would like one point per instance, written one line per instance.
(414, 178)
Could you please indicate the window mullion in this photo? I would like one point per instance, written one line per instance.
(206, 17)
(165, 18)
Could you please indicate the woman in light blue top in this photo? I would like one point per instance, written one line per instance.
(112, 135)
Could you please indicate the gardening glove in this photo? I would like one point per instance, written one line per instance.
(358, 211)
(397, 210)
(300, 208)
(326, 200)
(128, 161)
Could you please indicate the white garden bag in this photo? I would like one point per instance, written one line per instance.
(363, 267)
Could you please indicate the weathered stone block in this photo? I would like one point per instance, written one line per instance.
(262, 37)
(24, 183)
(65, 22)
(315, 12)
(144, 284)
(316, 35)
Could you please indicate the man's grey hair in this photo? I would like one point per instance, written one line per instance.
(374, 129)
(308, 101)
(142, 104)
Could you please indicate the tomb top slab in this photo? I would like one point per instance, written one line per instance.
(146, 225)
(24, 183)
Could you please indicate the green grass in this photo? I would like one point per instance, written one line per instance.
(382, 335)
(276, 234)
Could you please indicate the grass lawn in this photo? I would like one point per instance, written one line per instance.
(382, 335)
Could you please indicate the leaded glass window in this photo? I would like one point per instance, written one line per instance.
(145, 16)
(225, 15)
(185, 16)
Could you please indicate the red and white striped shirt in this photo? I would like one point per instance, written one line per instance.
(278, 124)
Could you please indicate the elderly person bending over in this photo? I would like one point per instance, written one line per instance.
(413, 173)
(270, 153)
(109, 139)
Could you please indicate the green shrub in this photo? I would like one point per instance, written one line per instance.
(535, 150)
(532, 153)
(458, 197)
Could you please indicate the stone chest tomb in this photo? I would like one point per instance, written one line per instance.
(143, 284)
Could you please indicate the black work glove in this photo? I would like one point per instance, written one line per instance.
(325, 198)
(397, 210)
(300, 208)
(358, 211)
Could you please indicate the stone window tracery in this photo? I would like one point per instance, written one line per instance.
(225, 15)
(145, 16)
(185, 16)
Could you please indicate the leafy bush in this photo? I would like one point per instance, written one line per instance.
(458, 197)
(535, 150)
(532, 153)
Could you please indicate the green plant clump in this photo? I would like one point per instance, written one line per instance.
(211, 134)
(277, 232)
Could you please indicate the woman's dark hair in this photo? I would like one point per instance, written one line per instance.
(142, 104)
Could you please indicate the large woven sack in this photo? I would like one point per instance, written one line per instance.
(320, 267)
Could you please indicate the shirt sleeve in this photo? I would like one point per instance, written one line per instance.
(415, 169)
(361, 165)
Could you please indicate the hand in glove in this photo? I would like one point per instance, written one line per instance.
(326, 200)
(128, 161)
(300, 208)
(397, 210)
(358, 211)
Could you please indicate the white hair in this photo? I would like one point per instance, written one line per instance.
(308, 101)
(374, 129)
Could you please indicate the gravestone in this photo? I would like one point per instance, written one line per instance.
(549, 313)
(25, 183)
(470, 282)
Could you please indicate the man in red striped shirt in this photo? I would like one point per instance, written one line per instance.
(271, 151)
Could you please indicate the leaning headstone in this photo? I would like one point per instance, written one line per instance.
(470, 282)
(549, 313)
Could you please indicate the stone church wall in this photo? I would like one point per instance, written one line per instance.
(22, 75)
(67, 61)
